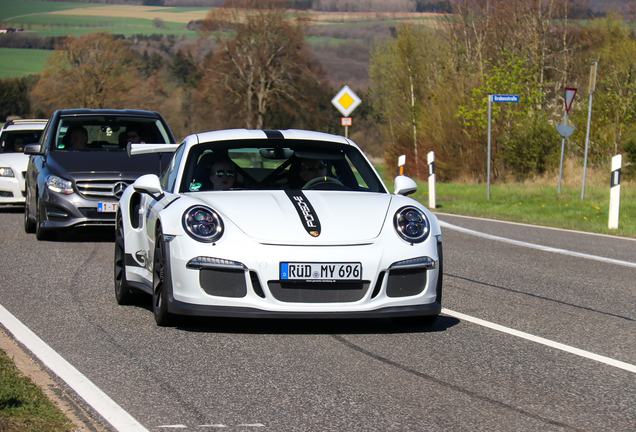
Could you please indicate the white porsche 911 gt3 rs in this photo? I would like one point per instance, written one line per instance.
(276, 224)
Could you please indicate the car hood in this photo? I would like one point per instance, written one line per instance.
(273, 216)
(114, 163)
(18, 161)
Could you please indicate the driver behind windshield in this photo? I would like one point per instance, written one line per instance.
(304, 170)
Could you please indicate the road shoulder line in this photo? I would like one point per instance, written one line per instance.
(547, 342)
(94, 397)
(536, 246)
(537, 226)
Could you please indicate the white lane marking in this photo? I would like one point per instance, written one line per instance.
(547, 342)
(212, 426)
(180, 426)
(97, 399)
(536, 246)
(615, 237)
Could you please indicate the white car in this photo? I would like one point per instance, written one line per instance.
(266, 246)
(14, 135)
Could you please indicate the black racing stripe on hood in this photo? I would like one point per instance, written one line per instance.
(274, 134)
(306, 212)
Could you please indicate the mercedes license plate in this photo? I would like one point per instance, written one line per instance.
(320, 272)
(107, 207)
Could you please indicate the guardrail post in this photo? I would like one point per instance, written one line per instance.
(431, 180)
(615, 192)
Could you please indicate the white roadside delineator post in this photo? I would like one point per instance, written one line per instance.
(615, 192)
(431, 180)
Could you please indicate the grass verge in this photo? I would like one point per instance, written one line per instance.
(23, 405)
(537, 204)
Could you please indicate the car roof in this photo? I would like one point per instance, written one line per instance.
(122, 112)
(246, 134)
(24, 124)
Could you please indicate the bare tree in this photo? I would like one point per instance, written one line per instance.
(261, 58)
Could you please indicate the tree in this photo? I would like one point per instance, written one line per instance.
(14, 99)
(615, 98)
(261, 60)
(91, 71)
(406, 72)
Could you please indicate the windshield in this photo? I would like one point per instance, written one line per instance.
(107, 133)
(235, 165)
(14, 141)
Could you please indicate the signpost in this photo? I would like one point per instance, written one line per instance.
(565, 130)
(491, 99)
(589, 119)
(346, 101)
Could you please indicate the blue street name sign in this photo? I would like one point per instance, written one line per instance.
(505, 98)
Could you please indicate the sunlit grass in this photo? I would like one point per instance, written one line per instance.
(23, 405)
(15, 62)
(538, 205)
(533, 203)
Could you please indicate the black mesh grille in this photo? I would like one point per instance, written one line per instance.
(92, 213)
(223, 283)
(318, 292)
(404, 283)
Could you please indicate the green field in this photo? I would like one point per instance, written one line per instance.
(38, 18)
(16, 63)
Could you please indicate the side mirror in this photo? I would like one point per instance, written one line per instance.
(150, 185)
(404, 185)
(33, 149)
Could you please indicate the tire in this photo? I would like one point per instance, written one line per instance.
(41, 233)
(123, 292)
(416, 321)
(160, 283)
(29, 225)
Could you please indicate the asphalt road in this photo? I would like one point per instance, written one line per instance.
(366, 375)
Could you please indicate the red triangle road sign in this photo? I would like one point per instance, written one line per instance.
(569, 97)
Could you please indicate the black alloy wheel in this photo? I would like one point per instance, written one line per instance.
(160, 283)
(123, 292)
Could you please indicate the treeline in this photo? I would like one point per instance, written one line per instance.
(251, 68)
(431, 88)
(581, 9)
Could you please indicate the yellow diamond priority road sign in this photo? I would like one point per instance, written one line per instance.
(346, 101)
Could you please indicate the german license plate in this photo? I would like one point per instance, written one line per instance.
(320, 272)
(107, 207)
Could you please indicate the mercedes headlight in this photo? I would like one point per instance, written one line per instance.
(411, 224)
(59, 185)
(203, 224)
(6, 172)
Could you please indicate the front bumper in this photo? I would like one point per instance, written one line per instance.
(251, 287)
(67, 211)
(12, 189)
(181, 308)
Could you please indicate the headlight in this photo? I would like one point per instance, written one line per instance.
(411, 224)
(59, 185)
(203, 224)
(6, 172)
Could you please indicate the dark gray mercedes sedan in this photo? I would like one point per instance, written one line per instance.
(79, 169)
